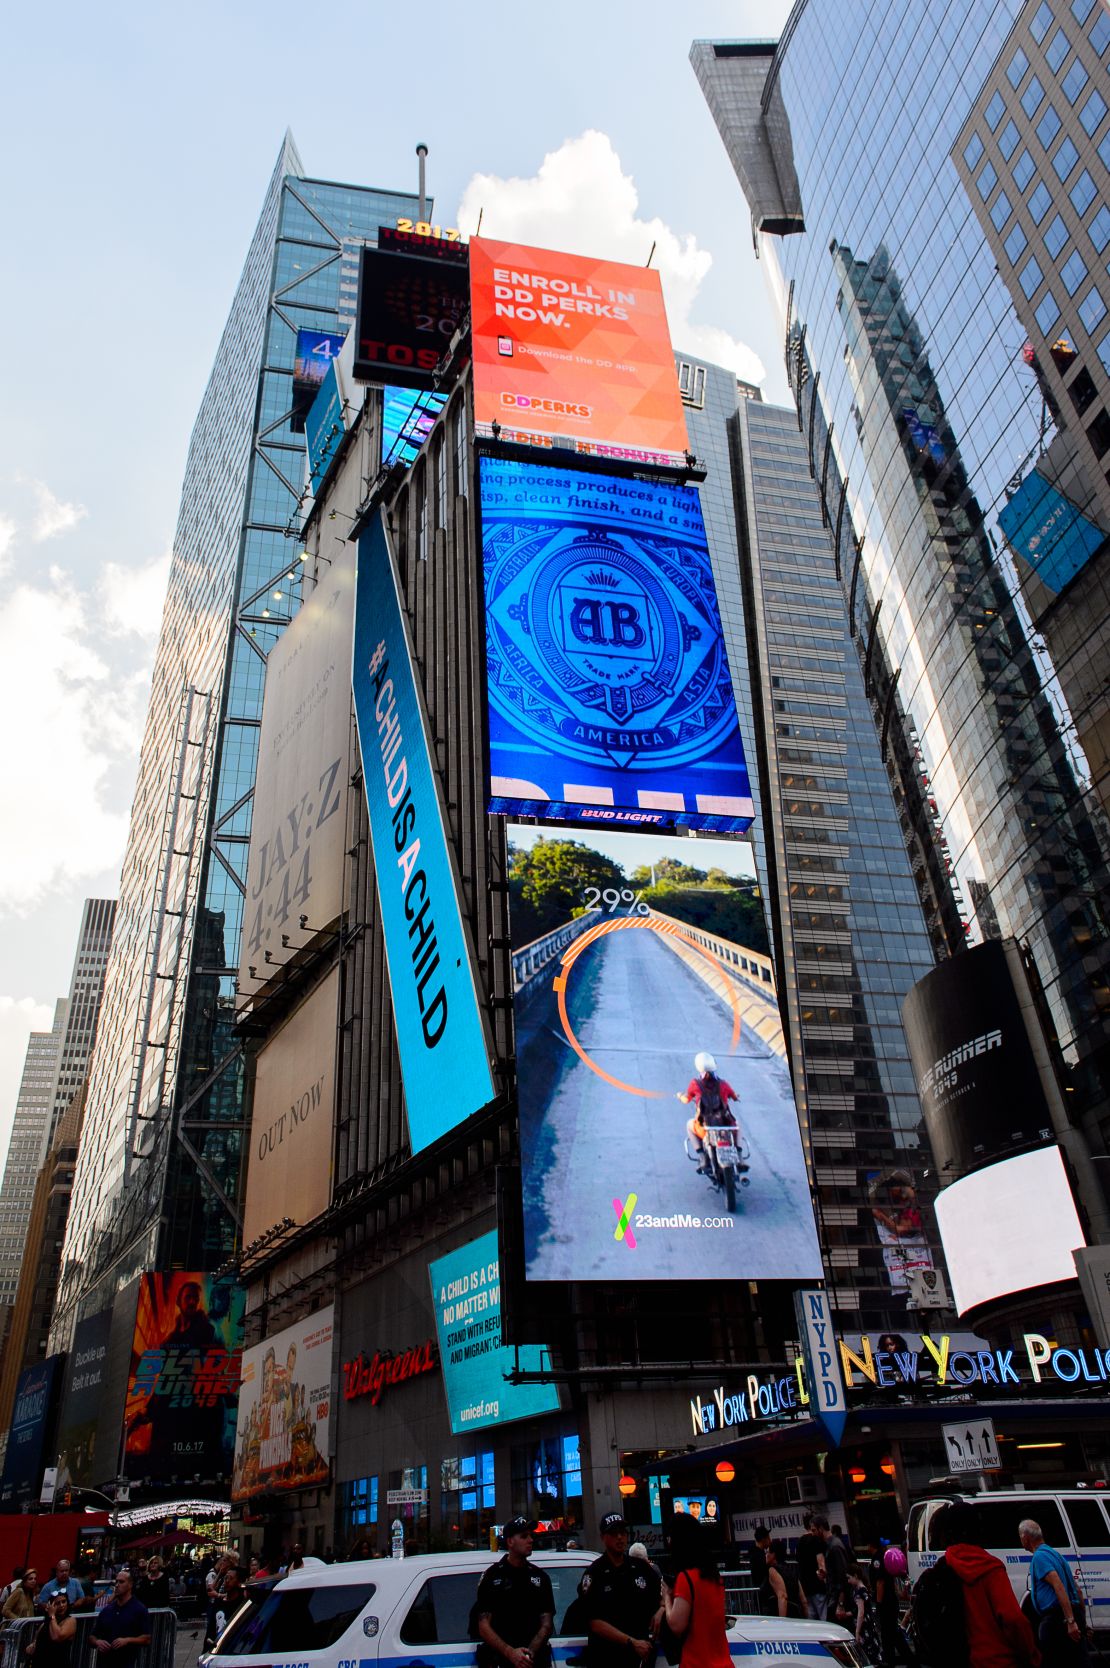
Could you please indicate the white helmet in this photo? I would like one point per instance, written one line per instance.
(704, 1062)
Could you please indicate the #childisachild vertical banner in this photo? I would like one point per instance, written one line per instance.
(441, 1034)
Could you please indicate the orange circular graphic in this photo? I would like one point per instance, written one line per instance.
(559, 985)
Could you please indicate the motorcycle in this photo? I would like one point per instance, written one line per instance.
(728, 1157)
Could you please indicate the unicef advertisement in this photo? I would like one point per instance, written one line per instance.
(466, 1292)
(659, 1136)
(610, 697)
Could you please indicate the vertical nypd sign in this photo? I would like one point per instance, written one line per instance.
(819, 1353)
(441, 1037)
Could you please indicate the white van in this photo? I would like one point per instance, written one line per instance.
(414, 1613)
(1074, 1521)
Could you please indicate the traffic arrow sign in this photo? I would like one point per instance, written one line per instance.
(971, 1446)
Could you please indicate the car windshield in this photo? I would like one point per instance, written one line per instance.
(291, 1620)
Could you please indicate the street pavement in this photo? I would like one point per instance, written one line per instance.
(641, 1013)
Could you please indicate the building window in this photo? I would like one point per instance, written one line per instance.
(547, 1479)
(973, 152)
(1031, 98)
(1015, 70)
(987, 181)
(1082, 9)
(1023, 170)
(1099, 229)
(1092, 113)
(1047, 313)
(1104, 353)
(1056, 237)
(1065, 159)
(1041, 23)
(1098, 433)
(1008, 140)
(1057, 50)
(1015, 243)
(1048, 127)
(995, 111)
(1104, 152)
(1074, 82)
(1083, 193)
(1092, 310)
(1100, 32)
(1040, 202)
(1073, 271)
(468, 1499)
(1000, 213)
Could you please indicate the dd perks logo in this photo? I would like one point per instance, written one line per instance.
(369, 1375)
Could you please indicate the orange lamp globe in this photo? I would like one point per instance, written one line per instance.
(724, 1471)
(857, 1475)
(888, 1467)
(627, 1485)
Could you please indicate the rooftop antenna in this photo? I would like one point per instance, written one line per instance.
(422, 153)
(651, 257)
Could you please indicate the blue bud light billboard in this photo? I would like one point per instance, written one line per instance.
(1049, 532)
(36, 1394)
(610, 695)
(658, 1132)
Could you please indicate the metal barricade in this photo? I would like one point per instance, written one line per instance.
(158, 1654)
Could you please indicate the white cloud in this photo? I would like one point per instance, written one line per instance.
(19, 1016)
(7, 538)
(580, 200)
(53, 515)
(74, 682)
(132, 599)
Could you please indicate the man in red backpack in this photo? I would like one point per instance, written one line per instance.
(998, 1635)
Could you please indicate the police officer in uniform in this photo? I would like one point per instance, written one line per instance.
(620, 1600)
(515, 1606)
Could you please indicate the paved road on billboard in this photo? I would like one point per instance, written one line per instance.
(641, 1014)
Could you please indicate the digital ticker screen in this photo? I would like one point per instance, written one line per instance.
(632, 953)
(409, 307)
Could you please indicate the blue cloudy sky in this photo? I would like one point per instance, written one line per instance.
(139, 141)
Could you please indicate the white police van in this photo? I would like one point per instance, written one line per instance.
(1074, 1521)
(414, 1613)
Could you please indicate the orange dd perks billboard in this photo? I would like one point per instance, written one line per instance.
(572, 351)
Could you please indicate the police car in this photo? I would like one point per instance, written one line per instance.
(415, 1613)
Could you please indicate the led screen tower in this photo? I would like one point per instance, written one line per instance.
(158, 1182)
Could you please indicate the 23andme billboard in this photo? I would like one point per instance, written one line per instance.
(573, 351)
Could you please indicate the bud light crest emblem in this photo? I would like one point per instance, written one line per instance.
(610, 692)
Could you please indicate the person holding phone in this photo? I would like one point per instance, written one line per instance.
(52, 1646)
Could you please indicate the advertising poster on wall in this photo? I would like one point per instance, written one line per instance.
(466, 1292)
(82, 1392)
(32, 1415)
(282, 1434)
(632, 954)
(295, 866)
(1048, 532)
(899, 1226)
(1031, 1190)
(610, 696)
(574, 351)
(325, 425)
(317, 350)
(292, 1114)
(977, 1075)
(179, 1419)
(441, 1036)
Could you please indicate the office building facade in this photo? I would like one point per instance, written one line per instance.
(158, 1180)
(33, 1112)
(929, 200)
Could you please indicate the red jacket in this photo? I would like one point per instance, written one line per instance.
(998, 1635)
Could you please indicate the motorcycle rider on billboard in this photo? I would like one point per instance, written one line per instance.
(711, 1095)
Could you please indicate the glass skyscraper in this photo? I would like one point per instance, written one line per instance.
(158, 1177)
(929, 192)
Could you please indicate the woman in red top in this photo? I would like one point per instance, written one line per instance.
(695, 1603)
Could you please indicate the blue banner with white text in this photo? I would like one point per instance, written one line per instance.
(441, 1037)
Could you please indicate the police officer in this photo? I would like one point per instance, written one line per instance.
(620, 1601)
(515, 1606)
